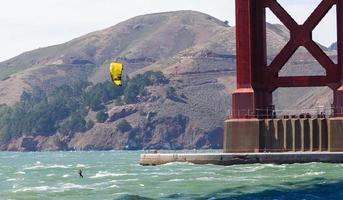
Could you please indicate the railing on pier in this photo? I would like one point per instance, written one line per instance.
(319, 112)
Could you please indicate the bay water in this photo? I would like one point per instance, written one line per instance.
(118, 175)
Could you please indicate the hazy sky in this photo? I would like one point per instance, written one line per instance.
(27, 25)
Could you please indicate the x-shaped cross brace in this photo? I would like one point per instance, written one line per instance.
(301, 35)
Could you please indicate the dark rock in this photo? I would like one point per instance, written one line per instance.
(29, 144)
(25, 143)
(121, 112)
(150, 115)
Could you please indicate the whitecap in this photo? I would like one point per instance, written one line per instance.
(98, 184)
(20, 172)
(206, 178)
(212, 173)
(251, 168)
(142, 185)
(129, 180)
(11, 179)
(60, 188)
(175, 180)
(34, 167)
(81, 165)
(58, 166)
(164, 173)
(242, 179)
(113, 186)
(315, 173)
(75, 186)
(309, 174)
(33, 189)
(178, 163)
(102, 174)
(39, 166)
(269, 165)
(65, 175)
(50, 175)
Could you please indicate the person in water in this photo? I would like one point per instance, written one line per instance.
(80, 173)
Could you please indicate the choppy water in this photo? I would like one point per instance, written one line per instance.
(117, 175)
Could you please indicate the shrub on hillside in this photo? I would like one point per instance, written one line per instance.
(89, 124)
(124, 126)
(101, 117)
(136, 86)
(75, 123)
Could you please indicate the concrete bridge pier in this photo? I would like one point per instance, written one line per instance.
(276, 135)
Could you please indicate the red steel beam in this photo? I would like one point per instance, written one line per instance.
(338, 93)
(339, 8)
(243, 40)
(318, 14)
(322, 58)
(303, 81)
(251, 92)
(281, 13)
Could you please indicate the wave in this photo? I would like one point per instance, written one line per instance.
(212, 173)
(309, 174)
(177, 163)
(81, 166)
(113, 186)
(54, 166)
(205, 178)
(69, 186)
(128, 180)
(33, 189)
(241, 179)
(249, 169)
(163, 173)
(102, 174)
(61, 188)
(255, 167)
(176, 180)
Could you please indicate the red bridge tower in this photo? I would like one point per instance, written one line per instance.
(256, 80)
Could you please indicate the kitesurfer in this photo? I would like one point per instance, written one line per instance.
(80, 173)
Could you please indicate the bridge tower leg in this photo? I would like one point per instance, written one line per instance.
(338, 93)
(251, 94)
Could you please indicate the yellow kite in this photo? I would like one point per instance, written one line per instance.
(116, 70)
